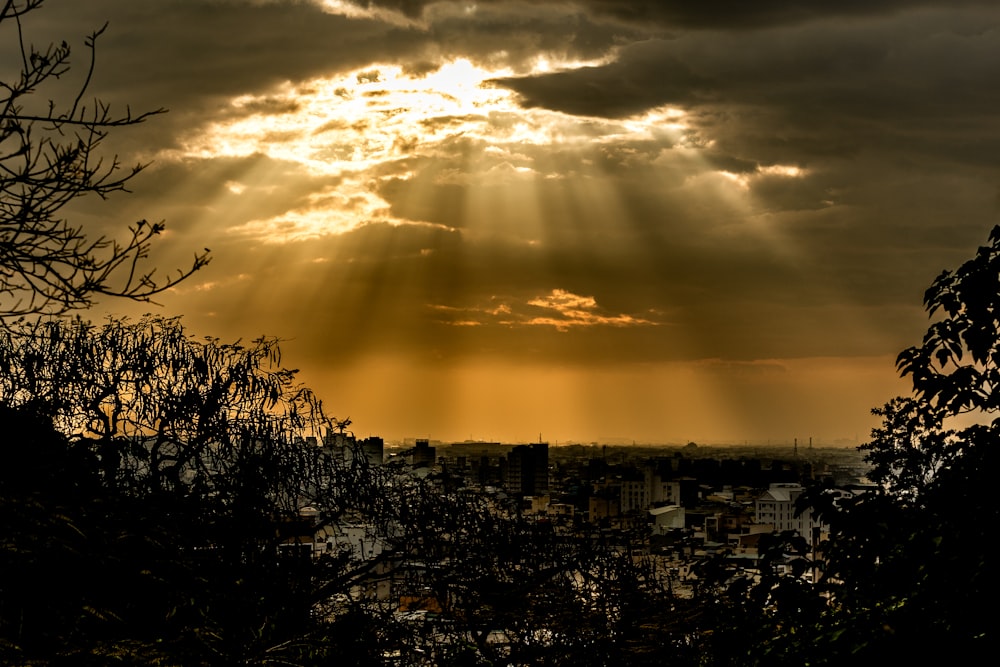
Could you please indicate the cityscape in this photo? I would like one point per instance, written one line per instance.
(478, 334)
(685, 503)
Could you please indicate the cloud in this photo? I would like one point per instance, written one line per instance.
(644, 156)
(915, 69)
(559, 309)
(564, 310)
(737, 15)
(733, 14)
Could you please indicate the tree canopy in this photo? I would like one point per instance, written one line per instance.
(908, 572)
(167, 477)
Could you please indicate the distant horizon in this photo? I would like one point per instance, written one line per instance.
(619, 442)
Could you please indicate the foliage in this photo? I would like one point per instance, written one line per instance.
(49, 157)
(907, 573)
(957, 367)
(162, 508)
(913, 553)
(490, 585)
(767, 612)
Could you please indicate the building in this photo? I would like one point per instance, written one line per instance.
(776, 507)
(602, 506)
(374, 449)
(345, 446)
(422, 454)
(528, 469)
(642, 489)
(667, 518)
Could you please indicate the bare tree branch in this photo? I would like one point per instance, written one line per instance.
(48, 159)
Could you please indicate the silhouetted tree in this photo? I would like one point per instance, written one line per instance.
(50, 156)
(908, 575)
(491, 585)
(161, 482)
(915, 575)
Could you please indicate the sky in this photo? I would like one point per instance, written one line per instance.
(582, 221)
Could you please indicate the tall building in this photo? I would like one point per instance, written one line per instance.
(528, 469)
(422, 454)
(373, 448)
(345, 446)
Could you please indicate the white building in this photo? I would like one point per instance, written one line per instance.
(667, 518)
(776, 507)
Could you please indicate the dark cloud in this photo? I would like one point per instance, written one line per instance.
(732, 14)
(842, 83)
(193, 56)
(644, 76)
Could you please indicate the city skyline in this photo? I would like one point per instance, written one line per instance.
(596, 221)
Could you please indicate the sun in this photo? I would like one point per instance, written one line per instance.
(361, 127)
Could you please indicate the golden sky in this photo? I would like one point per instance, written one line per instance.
(586, 220)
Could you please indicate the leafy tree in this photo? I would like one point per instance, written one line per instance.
(909, 574)
(913, 553)
(50, 156)
(159, 482)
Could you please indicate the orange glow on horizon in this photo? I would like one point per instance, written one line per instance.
(663, 403)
